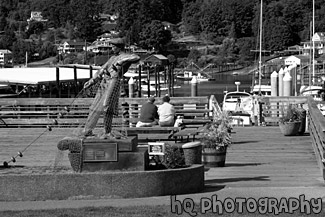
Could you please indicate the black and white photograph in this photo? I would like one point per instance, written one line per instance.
(154, 108)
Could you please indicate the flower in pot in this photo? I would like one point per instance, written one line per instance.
(290, 122)
(215, 139)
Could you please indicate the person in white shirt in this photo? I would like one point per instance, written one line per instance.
(166, 113)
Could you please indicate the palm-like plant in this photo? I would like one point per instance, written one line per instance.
(217, 133)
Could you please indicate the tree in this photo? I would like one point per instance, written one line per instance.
(57, 12)
(155, 36)
(194, 55)
(7, 39)
(35, 28)
(19, 49)
(3, 23)
(192, 17)
(86, 18)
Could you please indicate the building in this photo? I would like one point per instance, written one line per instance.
(318, 40)
(156, 59)
(298, 60)
(71, 47)
(5, 58)
(36, 16)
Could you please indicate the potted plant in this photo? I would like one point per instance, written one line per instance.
(290, 121)
(216, 138)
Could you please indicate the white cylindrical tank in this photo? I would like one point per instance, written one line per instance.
(274, 84)
(281, 74)
(287, 84)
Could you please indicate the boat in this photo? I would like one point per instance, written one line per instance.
(263, 89)
(239, 105)
(188, 76)
(313, 91)
(134, 74)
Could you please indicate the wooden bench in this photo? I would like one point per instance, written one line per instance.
(68, 112)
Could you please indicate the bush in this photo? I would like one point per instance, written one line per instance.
(174, 157)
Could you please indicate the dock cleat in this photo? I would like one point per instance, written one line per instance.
(55, 122)
(67, 108)
(5, 164)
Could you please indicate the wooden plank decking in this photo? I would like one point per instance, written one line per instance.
(263, 157)
(259, 157)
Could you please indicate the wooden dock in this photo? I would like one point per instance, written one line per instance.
(258, 157)
(263, 157)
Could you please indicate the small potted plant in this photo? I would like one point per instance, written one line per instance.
(290, 121)
(216, 138)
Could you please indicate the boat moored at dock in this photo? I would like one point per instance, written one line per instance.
(240, 106)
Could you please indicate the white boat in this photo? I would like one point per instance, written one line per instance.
(240, 106)
(144, 87)
(263, 89)
(313, 91)
(133, 74)
(188, 76)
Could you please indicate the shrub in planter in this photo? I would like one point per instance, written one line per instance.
(215, 139)
(290, 121)
(174, 157)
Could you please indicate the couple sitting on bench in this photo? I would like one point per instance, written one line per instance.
(163, 116)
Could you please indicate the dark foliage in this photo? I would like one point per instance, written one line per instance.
(174, 157)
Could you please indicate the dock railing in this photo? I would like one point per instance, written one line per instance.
(317, 133)
(272, 108)
(214, 106)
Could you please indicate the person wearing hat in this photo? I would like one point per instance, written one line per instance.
(166, 113)
(108, 92)
(148, 114)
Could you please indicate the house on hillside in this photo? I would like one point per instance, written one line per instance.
(5, 57)
(318, 40)
(71, 47)
(36, 16)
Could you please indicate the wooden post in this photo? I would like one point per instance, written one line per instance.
(158, 77)
(123, 78)
(156, 82)
(148, 80)
(172, 80)
(90, 71)
(139, 88)
(75, 81)
(50, 88)
(58, 94)
(194, 83)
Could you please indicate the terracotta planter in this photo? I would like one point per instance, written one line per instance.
(212, 157)
(290, 128)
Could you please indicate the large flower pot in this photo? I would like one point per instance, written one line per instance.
(290, 128)
(212, 157)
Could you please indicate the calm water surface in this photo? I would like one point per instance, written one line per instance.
(223, 82)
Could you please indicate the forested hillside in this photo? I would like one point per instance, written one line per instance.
(233, 24)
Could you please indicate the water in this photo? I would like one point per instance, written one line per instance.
(223, 82)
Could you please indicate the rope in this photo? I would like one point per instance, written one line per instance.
(88, 92)
(48, 128)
